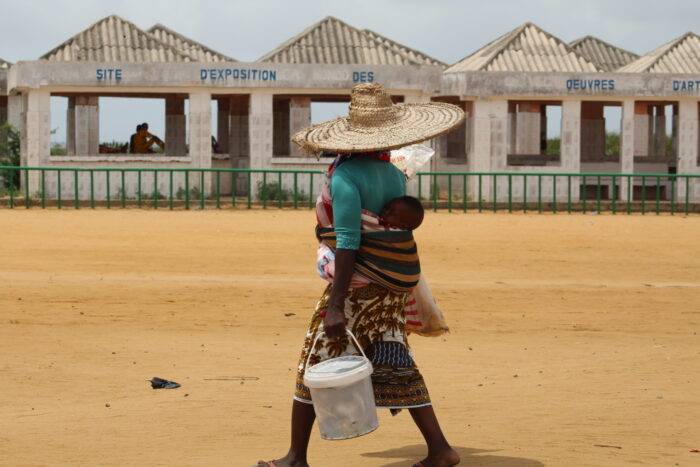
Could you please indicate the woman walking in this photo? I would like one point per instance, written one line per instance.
(362, 178)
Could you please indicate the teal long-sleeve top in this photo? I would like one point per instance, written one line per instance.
(359, 184)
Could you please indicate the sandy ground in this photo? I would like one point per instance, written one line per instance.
(575, 339)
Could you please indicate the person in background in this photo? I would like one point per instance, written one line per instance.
(132, 140)
(144, 141)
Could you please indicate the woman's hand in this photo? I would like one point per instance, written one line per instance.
(334, 323)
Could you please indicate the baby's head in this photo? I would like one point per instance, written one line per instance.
(405, 213)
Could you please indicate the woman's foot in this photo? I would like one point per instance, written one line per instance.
(446, 458)
(290, 460)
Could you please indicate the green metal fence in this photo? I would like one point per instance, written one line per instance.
(187, 188)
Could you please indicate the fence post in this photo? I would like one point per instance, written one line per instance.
(123, 197)
(464, 192)
(27, 202)
(76, 195)
(554, 194)
(92, 189)
(43, 189)
(170, 194)
(449, 193)
(58, 188)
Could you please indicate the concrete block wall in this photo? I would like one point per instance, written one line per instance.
(688, 149)
(200, 133)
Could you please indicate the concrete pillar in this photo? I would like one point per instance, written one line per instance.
(688, 150)
(200, 134)
(642, 128)
(36, 137)
(260, 130)
(480, 160)
(630, 136)
(87, 125)
(528, 124)
(70, 126)
(175, 126)
(299, 118)
(222, 123)
(412, 187)
(571, 147)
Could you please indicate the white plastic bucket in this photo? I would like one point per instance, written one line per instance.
(341, 391)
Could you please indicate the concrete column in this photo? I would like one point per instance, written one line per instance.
(222, 124)
(70, 127)
(571, 146)
(630, 136)
(688, 149)
(260, 130)
(528, 125)
(480, 160)
(299, 118)
(200, 134)
(175, 127)
(14, 111)
(643, 129)
(412, 187)
(87, 125)
(36, 137)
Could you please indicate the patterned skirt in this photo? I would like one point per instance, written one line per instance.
(375, 315)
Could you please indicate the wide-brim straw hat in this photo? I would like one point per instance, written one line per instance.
(375, 123)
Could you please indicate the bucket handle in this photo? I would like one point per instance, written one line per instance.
(321, 331)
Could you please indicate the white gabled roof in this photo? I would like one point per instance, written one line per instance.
(681, 55)
(527, 48)
(332, 41)
(184, 44)
(114, 39)
(604, 55)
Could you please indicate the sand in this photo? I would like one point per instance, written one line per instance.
(574, 339)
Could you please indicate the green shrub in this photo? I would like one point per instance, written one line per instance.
(273, 191)
(9, 155)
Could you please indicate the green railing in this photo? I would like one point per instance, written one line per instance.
(178, 188)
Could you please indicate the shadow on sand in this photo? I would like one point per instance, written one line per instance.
(470, 456)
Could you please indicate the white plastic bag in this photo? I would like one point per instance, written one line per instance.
(410, 159)
(423, 315)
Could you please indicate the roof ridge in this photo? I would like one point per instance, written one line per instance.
(400, 45)
(503, 36)
(598, 39)
(296, 37)
(185, 38)
(502, 42)
(117, 17)
(661, 51)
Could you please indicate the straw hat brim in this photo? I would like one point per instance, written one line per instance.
(413, 123)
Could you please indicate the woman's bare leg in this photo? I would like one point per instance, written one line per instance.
(303, 417)
(440, 453)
